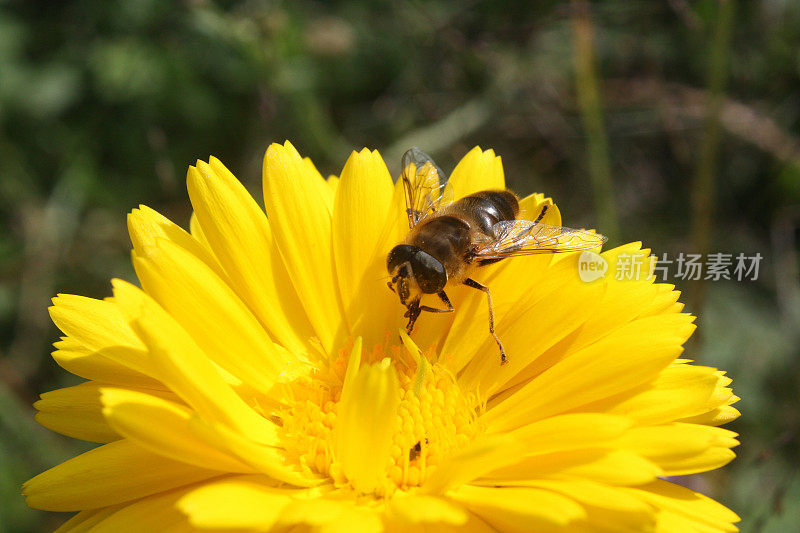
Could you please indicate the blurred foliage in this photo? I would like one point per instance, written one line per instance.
(104, 104)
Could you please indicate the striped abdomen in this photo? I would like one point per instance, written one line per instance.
(486, 208)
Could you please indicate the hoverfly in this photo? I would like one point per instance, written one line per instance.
(448, 240)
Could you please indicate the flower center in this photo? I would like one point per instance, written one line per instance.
(434, 419)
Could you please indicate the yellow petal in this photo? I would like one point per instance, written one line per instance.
(395, 226)
(238, 232)
(331, 516)
(518, 286)
(477, 171)
(479, 457)
(158, 512)
(572, 431)
(530, 327)
(100, 327)
(602, 520)
(239, 502)
(421, 509)
(163, 427)
(669, 521)
(666, 301)
(94, 323)
(182, 365)
(113, 473)
(716, 417)
(333, 183)
(519, 509)
(360, 208)
(264, 458)
(76, 358)
(678, 391)
(622, 301)
(212, 314)
(300, 218)
(85, 520)
(632, 355)
(615, 467)
(196, 231)
(717, 410)
(366, 424)
(710, 459)
(530, 208)
(595, 494)
(75, 412)
(363, 199)
(682, 448)
(147, 226)
(695, 507)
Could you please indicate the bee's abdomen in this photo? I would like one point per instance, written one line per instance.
(487, 208)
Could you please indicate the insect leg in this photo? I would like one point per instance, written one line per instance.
(412, 313)
(475, 285)
(541, 214)
(443, 296)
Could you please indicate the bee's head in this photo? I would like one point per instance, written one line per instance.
(414, 273)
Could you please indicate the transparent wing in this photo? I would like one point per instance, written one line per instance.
(525, 237)
(425, 186)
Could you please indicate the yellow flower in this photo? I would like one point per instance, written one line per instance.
(257, 380)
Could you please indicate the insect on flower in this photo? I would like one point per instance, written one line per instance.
(448, 240)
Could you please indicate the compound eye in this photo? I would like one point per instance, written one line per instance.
(402, 253)
(429, 273)
(431, 281)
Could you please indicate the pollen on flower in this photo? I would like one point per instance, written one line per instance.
(433, 420)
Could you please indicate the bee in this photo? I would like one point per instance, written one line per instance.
(447, 241)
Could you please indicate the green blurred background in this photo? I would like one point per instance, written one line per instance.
(675, 122)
